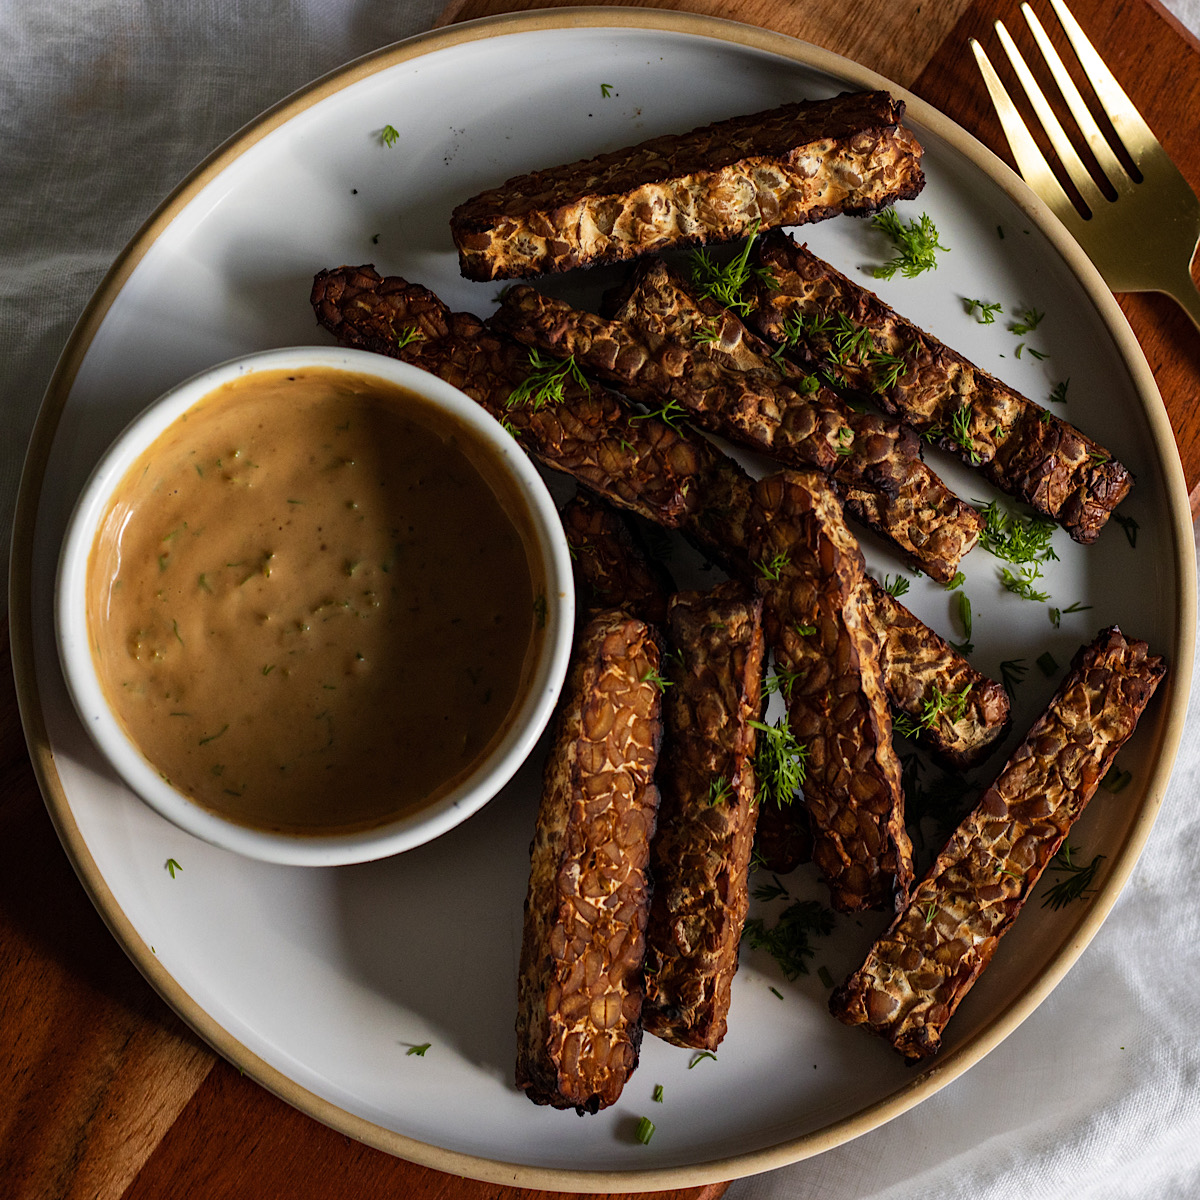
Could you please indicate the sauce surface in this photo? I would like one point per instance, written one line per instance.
(309, 605)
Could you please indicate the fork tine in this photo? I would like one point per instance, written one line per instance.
(1109, 163)
(1079, 174)
(1030, 160)
(1133, 131)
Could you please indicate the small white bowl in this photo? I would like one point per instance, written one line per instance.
(535, 706)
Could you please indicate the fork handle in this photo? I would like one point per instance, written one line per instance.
(1184, 292)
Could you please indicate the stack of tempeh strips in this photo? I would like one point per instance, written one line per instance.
(667, 348)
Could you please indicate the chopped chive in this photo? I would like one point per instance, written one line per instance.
(777, 992)
(1047, 664)
(701, 1057)
(658, 1093)
(1116, 781)
(645, 1130)
(824, 976)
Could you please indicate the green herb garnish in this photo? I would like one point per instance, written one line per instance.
(659, 681)
(419, 1051)
(1028, 319)
(1116, 781)
(389, 135)
(915, 241)
(1020, 583)
(172, 866)
(895, 587)
(407, 335)
(1046, 664)
(774, 567)
(1080, 879)
(1012, 671)
(657, 1097)
(645, 1130)
(986, 313)
(787, 941)
(963, 605)
(719, 790)
(780, 762)
(1059, 392)
(725, 284)
(1057, 614)
(1014, 538)
(700, 1057)
(1130, 526)
(824, 976)
(606, 90)
(546, 382)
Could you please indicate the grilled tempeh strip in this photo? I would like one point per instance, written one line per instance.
(917, 973)
(1019, 446)
(787, 166)
(675, 478)
(919, 666)
(827, 653)
(664, 346)
(700, 857)
(611, 570)
(579, 992)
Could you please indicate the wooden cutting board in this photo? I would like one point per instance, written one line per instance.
(107, 1095)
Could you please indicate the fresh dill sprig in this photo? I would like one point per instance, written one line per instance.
(1130, 526)
(1014, 538)
(1057, 614)
(606, 90)
(780, 762)
(895, 587)
(1012, 671)
(419, 1051)
(654, 677)
(963, 605)
(959, 434)
(916, 242)
(1028, 319)
(700, 1057)
(172, 866)
(725, 284)
(719, 790)
(948, 706)
(407, 335)
(766, 892)
(773, 567)
(1058, 393)
(787, 941)
(781, 681)
(985, 314)
(669, 412)
(1080, 878)
(546, 382)
(1020, 583)
(389, 135)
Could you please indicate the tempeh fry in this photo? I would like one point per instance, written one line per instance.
(960, 713)
(673, 477)
(798, 163)
(917, 973)
(701, 853)
(579, 994)
(827, 655)
(611, 569)
(1022, 448)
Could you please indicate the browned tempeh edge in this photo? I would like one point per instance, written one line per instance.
(672, 477)
(799, 163)
(700, 856)
(611, 568)
(579, 990)
(1022, 448)
(827, 653)
(665, 346)
(917, 973)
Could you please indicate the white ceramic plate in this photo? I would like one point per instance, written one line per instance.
(317, 982)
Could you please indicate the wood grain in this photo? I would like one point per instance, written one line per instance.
(106, 1093)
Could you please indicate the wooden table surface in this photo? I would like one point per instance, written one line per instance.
(106, 1093)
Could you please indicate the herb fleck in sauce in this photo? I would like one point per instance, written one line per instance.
(308, 608)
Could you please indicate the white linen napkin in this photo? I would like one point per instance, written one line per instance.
(105, 105)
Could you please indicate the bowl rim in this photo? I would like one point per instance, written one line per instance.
(547, 545)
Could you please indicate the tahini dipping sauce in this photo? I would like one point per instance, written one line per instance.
(309, 604)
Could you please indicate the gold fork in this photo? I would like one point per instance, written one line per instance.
(1144, 240)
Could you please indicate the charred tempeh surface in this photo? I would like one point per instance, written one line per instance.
(666, 347)
(673, 477)
(579, 992)
(1022, 448)
(917, 973)
(963, 712)
(611, 569)
(701, 854)
(826, 652)
(787, 166)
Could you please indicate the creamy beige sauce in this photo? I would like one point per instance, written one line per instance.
(306, 605)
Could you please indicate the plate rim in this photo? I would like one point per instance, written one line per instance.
(942, 1071)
